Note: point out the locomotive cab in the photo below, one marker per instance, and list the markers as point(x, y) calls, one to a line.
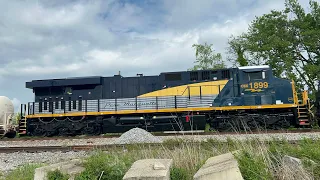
point(255, 86)
point(254, 78)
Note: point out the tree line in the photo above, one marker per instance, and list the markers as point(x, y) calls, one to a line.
point(287, 40)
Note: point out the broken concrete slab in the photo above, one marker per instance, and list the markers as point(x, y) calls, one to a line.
point(292, 168)
point(292, 160)
point(155, 169)
point(72, 168)
point(220, 167)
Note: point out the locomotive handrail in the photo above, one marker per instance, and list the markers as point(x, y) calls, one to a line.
point(51, 105)
point(33, 108)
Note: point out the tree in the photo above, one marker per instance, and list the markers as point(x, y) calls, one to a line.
point(287, 40)
point(206, 58)
point(237, 52)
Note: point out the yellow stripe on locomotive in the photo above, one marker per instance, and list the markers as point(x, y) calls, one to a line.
point(195, 89)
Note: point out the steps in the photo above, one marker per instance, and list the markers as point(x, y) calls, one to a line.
point(23, 126)
point(303, 109)
point(303, 115)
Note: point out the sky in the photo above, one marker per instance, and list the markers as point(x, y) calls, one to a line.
point(41, 39)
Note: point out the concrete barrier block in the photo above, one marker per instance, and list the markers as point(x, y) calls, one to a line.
point(155, 169)
point(222, 167)
point(72, 168)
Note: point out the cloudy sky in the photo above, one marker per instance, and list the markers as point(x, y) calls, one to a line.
point(54, 39)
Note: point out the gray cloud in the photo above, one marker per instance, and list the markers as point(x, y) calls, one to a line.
point(54, 39)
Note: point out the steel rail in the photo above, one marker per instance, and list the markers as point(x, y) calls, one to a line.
point(35, 149)
point(28, 139)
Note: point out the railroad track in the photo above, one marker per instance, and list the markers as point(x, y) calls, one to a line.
point(33, 149)
point(88, 144)
point(159, 134)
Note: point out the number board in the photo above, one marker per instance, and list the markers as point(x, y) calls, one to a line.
point(255, 86)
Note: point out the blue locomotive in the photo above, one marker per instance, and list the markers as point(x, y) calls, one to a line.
point(243, 98)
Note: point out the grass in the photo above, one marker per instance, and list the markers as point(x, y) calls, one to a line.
point(25, 172)
point(257, 160)
point(57, 175)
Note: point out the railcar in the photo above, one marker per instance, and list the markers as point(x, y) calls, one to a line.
point(7, 128)
point(245, 98)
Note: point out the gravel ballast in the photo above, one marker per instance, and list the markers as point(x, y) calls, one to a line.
point(137, 135)
point(11, 161)
point(243, 137)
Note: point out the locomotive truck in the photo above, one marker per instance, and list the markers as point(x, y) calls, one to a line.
point(243, 98)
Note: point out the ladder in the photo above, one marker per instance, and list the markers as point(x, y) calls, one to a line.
point(22, 126)
point(304, 110)
point(23, 120)
point(303, 115)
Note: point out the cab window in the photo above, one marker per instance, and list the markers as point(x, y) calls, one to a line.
point(257, 75)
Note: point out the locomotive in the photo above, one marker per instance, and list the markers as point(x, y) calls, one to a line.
point(243, 98)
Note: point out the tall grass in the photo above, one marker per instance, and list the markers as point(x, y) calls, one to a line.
point(256, 159)
point(114, 163)
point(25, 172)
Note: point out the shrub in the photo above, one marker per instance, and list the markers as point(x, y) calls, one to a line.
point(179, 174)
point(108, 166)
point(57, 175)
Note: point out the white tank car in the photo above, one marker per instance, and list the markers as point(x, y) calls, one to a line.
point(6, 115)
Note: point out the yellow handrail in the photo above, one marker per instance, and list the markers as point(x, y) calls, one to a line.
point(295, 94)
point(305, 97)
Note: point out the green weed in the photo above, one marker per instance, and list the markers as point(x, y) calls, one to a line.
point(25, 172)
point(253, 167)
point(57, 175)
point(108, 166)
point(179, 174)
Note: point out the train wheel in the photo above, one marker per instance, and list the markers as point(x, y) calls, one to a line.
point(39, 132)
point(10, 134)
point(63, 131)
point(92, 129)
